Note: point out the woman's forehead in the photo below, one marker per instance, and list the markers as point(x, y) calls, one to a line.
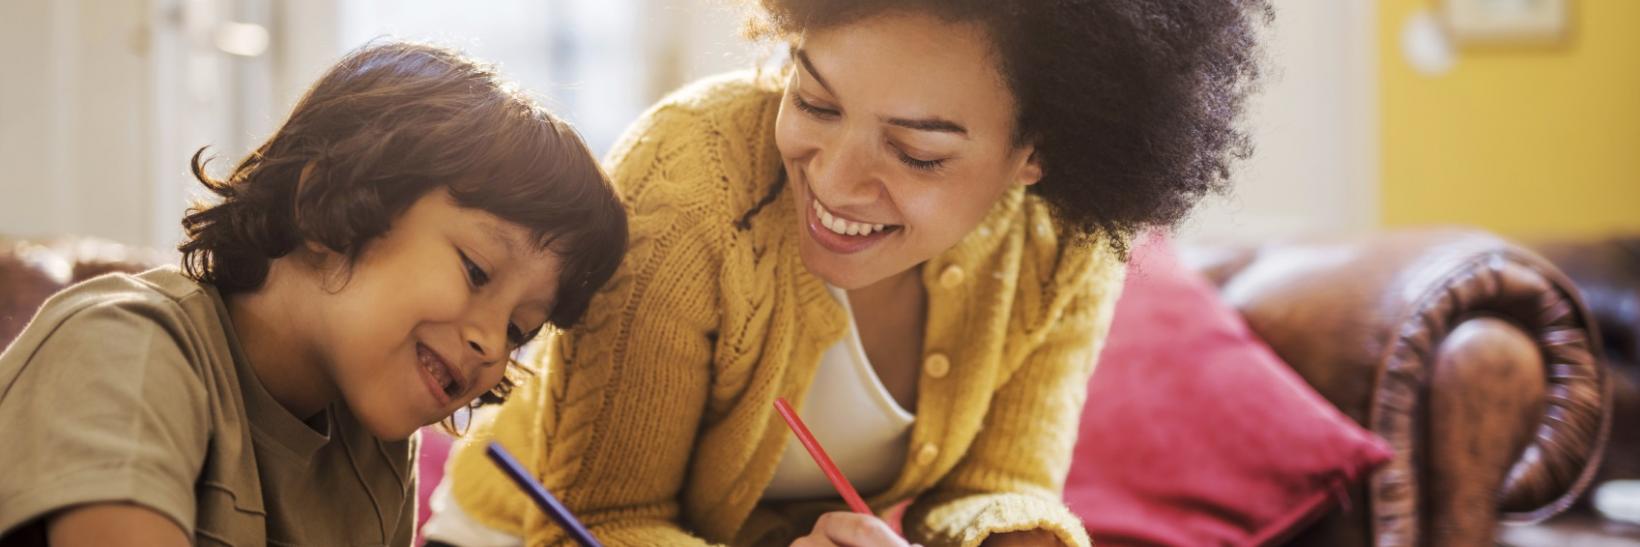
point(909, 66)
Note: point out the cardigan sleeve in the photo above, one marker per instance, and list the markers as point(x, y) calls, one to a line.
point(609, 419)
point(1013, 475)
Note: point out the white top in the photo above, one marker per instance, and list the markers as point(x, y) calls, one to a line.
point(451, 525)
point(856, 420)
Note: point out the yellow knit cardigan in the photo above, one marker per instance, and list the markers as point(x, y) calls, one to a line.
point(654, 421)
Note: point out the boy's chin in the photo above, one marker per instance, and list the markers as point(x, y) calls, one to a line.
point(390, 430)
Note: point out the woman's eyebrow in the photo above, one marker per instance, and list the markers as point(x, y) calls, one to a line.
point(936, 124)
point(803, 57)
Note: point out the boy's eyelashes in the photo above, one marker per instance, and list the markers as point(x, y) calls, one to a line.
point(517, 337)
point(477, 277)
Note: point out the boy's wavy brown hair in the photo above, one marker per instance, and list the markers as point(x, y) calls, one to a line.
point(385, 126)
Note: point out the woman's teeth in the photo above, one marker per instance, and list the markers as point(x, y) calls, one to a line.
point(841, 226)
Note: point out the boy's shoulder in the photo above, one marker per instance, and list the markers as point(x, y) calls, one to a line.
point(128, 309)
point(129, 378)
point(161, 295)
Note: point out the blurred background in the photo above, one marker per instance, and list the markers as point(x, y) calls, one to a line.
point(1518, 116)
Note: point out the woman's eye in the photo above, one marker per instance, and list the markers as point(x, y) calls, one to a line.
point(918, 164)
point(811, 108)
point(475, 275)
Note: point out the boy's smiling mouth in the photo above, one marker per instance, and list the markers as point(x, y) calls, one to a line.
point(443, 380)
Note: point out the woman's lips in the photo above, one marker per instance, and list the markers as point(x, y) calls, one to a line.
point(841, 235)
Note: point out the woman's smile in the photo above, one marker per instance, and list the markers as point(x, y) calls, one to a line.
point(842, 235)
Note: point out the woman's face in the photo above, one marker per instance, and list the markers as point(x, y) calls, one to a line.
point(897, 137)
point(431, 313)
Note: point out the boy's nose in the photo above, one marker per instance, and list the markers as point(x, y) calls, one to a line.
point(487, 343)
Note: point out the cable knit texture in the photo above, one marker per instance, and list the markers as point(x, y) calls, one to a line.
point(654, 421)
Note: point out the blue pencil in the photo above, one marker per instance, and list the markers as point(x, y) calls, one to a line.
point(539, 493)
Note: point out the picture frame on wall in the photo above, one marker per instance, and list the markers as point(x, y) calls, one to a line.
point(1508, 22)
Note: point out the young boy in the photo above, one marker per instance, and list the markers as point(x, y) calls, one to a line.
point(368, 270)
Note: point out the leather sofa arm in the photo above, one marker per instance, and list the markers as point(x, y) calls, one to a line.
point(31, 271)
point(1475, 358)
point(1607, 272)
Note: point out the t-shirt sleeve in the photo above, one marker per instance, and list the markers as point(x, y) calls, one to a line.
point(101, 404)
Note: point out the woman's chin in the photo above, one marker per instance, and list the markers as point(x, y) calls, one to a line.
point(830, 268)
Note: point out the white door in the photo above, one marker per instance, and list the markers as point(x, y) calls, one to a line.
point(1315, 165)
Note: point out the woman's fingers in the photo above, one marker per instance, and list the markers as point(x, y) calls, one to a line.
point(856, 530)
point(813, 541)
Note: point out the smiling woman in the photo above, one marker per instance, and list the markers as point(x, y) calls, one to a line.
point(915, 232)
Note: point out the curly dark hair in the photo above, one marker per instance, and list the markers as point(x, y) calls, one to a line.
point(388, 124)
point(1133, 105)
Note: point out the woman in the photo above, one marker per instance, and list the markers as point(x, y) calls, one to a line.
point(915, 233)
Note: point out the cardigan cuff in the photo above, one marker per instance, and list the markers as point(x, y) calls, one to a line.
point(968, 520)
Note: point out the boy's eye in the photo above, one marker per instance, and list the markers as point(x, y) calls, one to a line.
point(475, 275)
point(517, 337)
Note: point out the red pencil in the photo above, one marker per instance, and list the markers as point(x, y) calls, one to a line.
point(820, 457)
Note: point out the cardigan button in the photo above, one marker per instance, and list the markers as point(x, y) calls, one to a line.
point(927, 453)
point(951, 277)
point(937, 365)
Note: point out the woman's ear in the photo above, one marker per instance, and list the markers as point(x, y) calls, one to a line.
point(1030, 169)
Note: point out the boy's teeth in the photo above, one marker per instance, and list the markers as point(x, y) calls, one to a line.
point(440, 374)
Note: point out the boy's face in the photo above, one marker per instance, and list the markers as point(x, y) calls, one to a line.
point(431, 314)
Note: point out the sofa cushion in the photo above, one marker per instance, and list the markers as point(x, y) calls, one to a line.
point(1195, 433)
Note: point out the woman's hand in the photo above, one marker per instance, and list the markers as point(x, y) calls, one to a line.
point(841, 528)
point(1032, 538)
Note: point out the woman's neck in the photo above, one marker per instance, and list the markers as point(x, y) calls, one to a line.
point(890, 315)
point(900, 287)
point(269, 322)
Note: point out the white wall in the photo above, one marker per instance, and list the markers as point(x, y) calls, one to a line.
point(102, 102)
point(1314, 127)
point(72, 118)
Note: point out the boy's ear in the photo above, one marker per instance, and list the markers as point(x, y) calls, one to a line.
point(306, 176)
point(318, 251)
point(302, 180)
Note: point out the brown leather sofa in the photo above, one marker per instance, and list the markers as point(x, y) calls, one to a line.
point(1474, 357)
point(1607, 272)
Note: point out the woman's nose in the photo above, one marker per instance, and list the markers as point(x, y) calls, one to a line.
point(845, 173)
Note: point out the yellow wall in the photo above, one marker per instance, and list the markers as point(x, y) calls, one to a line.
point(1534, 142)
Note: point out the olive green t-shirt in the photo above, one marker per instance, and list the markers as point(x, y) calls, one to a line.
point(134, 389)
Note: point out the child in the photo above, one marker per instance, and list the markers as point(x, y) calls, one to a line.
point(369, 270)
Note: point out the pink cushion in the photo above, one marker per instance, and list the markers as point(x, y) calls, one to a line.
point(435, 449)
point(1195, 433)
